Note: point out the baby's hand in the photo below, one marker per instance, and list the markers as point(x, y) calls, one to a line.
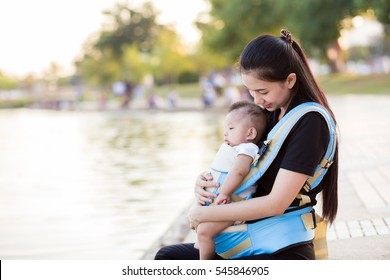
point(222, 199)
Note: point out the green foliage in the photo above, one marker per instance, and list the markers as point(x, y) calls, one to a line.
point(99, 68)
point(129, 27)
point(135, 64)
point(7, 82)
point(318, 22)
point(235, 22)
point(119, 52)
point(134, 45)
point(168, 57)
point(188, 77)
point(205, 59)
point(381, 9)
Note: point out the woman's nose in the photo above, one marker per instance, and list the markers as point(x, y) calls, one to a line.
point(258, 100)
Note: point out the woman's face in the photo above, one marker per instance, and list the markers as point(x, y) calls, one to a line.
point(270, 95)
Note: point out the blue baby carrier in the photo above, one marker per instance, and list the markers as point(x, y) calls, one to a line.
point(297, 224)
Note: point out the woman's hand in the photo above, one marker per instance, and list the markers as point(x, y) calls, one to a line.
point(203, 181)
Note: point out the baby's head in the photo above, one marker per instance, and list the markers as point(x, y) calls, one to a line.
point(246, 122)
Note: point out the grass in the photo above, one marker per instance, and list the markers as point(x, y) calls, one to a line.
point(331, 84)
point(355, 84)
point(185, 90)
point(17, 103)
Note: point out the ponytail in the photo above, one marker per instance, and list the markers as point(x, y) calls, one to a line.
point(330, 180)
point(273, 58)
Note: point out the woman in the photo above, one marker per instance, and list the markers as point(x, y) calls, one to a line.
point(276, 72)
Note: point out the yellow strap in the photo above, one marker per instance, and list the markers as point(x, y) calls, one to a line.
point(303, 199)
point(307, 220)
point(320, 243)
point(324, 164)
point(238, 228)
point(236, 249)
point(306, 187)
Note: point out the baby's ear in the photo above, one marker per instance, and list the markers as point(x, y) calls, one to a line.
point(252, 134)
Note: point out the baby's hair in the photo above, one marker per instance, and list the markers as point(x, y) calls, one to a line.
point(256, 114)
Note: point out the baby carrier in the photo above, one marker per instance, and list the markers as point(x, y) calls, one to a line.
point(298, 223)
point(220, 167)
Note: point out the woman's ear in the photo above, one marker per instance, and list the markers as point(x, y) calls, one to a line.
point(291, 80)
point(252, 134)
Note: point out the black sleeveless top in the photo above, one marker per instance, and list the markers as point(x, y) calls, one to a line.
point(302, 150)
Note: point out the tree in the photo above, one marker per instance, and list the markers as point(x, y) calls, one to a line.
point(130, 33)
point(169, 57)
point(232, 23)
point(134, 45)
point(381, 9)
point(7, 82)
point(315, 23)
point(129, 27)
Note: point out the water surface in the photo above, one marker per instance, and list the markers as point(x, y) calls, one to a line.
point(97, 185)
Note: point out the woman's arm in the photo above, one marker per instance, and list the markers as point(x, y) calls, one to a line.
point(287, 185)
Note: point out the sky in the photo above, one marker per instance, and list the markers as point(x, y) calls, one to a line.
point(35, 33)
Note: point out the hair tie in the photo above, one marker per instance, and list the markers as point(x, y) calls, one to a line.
point(286, 35)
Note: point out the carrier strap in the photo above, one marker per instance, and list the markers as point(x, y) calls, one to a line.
point(272, 146)
point(279, 133)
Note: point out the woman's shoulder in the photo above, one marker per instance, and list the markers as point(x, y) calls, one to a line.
point(311, 127)
point(313, 119)
point(306, 144)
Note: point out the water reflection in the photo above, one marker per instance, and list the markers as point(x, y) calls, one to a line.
point(92, 185)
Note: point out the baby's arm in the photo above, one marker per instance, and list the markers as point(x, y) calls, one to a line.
point(234, 178)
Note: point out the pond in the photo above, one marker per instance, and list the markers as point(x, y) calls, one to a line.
point(97, 185)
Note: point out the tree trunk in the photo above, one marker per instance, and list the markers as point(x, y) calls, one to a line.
point(335, 58)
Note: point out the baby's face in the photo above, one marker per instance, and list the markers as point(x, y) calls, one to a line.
point(236, 128)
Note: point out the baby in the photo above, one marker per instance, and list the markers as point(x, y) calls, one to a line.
point(245, 126)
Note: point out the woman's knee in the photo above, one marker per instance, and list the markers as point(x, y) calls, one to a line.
point(180, 251)
point(163, 253)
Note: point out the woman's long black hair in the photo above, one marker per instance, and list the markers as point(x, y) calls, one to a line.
point(273, 58)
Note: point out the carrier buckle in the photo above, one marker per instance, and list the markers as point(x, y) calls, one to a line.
point(313, 215)
point(326, 163)
point(309, 220)
point(264, 147)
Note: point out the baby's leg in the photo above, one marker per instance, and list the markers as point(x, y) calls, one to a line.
point(205, 233)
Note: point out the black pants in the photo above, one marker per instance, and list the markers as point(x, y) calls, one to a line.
point(187, 251)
